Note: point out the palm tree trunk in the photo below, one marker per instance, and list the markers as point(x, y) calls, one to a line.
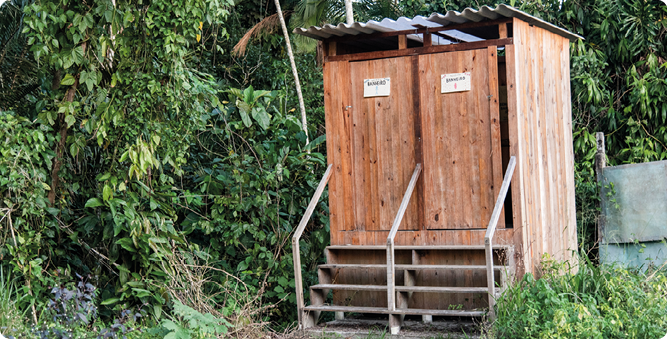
point(304, 124)
point(349, 14)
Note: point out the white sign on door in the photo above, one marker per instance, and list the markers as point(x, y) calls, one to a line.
point(377, 87)
point(455, 82)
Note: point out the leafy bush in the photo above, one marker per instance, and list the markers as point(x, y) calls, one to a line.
point(193, 324)
point(251, 179)
point(73, 314)
point(585, 301)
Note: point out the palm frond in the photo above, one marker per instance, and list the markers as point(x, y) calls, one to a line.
point(268, 25)
point(18, 72)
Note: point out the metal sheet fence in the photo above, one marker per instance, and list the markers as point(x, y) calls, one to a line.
point(634, 214)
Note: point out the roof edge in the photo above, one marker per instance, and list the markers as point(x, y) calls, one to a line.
point(485, 13)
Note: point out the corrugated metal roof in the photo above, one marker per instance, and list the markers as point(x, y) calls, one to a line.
point(435, 20)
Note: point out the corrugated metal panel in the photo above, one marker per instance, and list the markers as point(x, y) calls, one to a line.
point(435, 20)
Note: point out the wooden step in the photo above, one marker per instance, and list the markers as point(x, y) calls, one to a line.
point(417, 248)
point(384, 310)
point(383, 288)
point(443, 289)
point(415, 267)
point(380, 288)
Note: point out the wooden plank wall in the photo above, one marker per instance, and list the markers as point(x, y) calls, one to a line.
point(543, 138)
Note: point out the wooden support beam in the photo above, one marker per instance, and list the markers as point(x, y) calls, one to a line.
point(418, 31)
point(420, 50)
point(502, 30)
point(402, 42)
point(427, 40)
point(331, 48)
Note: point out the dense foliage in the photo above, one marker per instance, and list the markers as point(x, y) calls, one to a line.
point(137, 149)
point(585, 302)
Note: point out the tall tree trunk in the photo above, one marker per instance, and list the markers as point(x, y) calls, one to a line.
point(60, 149)
point(349, 13)
point(304, 124)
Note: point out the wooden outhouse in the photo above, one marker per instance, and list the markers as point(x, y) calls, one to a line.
point(429, 122)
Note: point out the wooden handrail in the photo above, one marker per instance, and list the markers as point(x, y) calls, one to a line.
point(491, 230)
point(296, 255)
point(391, 291)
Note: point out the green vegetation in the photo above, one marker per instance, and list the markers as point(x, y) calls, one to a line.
point(585, 301)
point(11, 318)
point(141, 153)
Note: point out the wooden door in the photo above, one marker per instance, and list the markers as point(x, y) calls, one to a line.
point(383, 139)
point(371, 142)
point(461, 140)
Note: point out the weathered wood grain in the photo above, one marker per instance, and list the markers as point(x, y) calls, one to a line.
point(457, 141)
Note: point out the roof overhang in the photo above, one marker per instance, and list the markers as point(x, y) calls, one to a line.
point(435, 21)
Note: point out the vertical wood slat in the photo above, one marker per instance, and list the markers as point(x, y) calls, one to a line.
point(559, 140)
point(419, 157)
point(570, 213)
point(551, 150)
point(476, 130)
point(515, 126)
point(538, 78)
point(494, 123)
point(346, 144)
point(521, 67)
point(333, 74)
point(360, 206)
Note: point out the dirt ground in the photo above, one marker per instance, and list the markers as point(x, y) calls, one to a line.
point(377, 328)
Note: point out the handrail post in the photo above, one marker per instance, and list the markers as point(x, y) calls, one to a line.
point(296, 255)
point(490, 231)
point(391, 274)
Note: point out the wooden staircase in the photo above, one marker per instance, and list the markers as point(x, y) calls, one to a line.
point(329, 272)
point(402, 261)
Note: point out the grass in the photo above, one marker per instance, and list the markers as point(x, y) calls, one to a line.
point(11, 319)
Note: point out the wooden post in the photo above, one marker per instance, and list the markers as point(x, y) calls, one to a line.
point(488, 251)
point(391, 276)
point(600, 164)
point(331, 48)
point(402, 41)
point(427, 40)
point(502, 30)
